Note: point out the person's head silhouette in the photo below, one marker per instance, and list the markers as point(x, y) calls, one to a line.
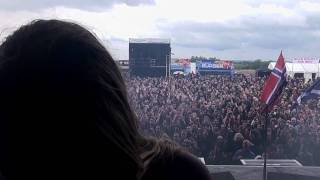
point(63, 106)
point(64, 112)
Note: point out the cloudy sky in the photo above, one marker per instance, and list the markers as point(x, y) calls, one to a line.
point(227, 29)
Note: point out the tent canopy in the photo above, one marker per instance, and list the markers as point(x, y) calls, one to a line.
point(299, 67)
point(306, 68)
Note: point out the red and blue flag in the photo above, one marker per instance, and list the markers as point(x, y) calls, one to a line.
point(275, 83)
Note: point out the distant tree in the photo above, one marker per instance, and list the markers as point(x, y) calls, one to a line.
point(212, 58)
point(200, 58)
point(256, 64)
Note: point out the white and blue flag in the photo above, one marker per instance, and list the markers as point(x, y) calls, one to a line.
point(310, 93)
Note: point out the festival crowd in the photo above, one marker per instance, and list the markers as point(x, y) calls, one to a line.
point(219, 117)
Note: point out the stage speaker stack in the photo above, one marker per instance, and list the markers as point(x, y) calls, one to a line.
point(149, 57)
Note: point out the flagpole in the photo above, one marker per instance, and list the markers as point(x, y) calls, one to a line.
point(265, 145)
point(270, 94)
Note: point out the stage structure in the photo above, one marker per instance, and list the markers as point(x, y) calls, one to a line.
point(149, 57)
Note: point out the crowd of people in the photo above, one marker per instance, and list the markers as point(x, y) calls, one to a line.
point(219, 117)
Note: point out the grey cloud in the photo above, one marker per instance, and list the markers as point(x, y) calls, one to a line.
point(79, 4)
point(314, 21)
point(259, 32)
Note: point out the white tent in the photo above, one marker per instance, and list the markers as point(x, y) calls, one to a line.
point(307, 69)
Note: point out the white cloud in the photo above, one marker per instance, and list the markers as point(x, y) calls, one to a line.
point(310, 6)
point(196, 27)
point(11, 20)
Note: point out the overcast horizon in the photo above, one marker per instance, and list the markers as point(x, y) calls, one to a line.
point(229, 29)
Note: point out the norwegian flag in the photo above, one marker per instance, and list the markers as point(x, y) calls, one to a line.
point(275, 83)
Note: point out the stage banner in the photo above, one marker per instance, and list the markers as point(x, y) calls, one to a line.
point(306, 60)
point(209, 65)
point(177, 67)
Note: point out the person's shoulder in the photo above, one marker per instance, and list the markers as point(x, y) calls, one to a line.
point(181, 165)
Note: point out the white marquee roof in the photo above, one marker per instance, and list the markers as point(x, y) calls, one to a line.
point(299, 67)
